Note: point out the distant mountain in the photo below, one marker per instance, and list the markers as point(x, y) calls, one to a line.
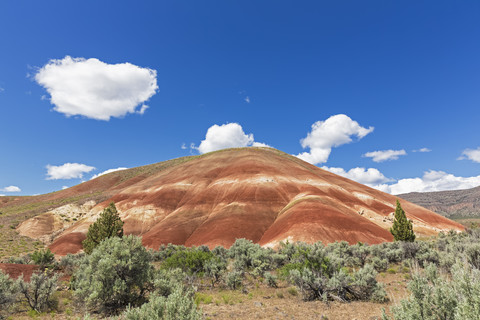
point(261, 194)
point(453, 203)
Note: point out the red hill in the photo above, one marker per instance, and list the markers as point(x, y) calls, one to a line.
point(260, 194)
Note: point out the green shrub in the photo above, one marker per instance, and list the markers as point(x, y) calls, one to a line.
point(340, 286)
point(191, 261)
point(214, 269)
point(170, 300)
point(164, 281)
point(178, 305)
point(70, 262)
point(8, 293)
point(25, 259)
point(38, 291)
point(473, 255)
point(43, 257)
point(114, 275)
point(107, 225)
point(439, 296)
point(380, 265)
point(271, 280)
point(250, 256)
point(402, 228)
point(234, 279)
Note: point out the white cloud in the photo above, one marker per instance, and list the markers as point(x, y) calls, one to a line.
point(11, 189)
point(422, 150)
point(2, 89)
point(371, 176)
point(433, 181)
point(107, 171)
point(67, 171)
point(247, 99)
point(384, 155)
point(184, 146)
point(65, 187)
point(228, 135)
point(143, 108)
point(471, 154)
point(95, 89)
point(325, 135)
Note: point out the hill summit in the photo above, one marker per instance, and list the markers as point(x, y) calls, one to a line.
point(260, 194)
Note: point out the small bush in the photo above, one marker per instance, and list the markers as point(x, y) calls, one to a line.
point(8, 293)
point(271, 280)
point(70, 262)
point(26, 259)
point(380, 265)
point(191, 261)
point(234, 279)
point(114, 275)
point(292, 291)
point(107, 225)
point(178, 305)
point(38, 291)
point(43, 258)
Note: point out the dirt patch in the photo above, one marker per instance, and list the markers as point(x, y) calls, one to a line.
point(17, 270)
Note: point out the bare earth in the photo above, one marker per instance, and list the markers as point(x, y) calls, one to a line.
point(261, 194)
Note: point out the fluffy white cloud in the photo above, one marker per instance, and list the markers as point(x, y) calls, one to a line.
point(95, 89)
point(65, 187)
point(433, 181)
point(11, 189)
point(384, 155)
point(430, 181)
point(67, 171)
point(325, 135)
point(107, 171)
point(471, 154)
point(371, 176)
point(422, 150)
point(230, 135)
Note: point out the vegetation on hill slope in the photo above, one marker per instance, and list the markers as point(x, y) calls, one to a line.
point(174, 280)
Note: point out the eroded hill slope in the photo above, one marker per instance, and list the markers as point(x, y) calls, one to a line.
point(261, 194)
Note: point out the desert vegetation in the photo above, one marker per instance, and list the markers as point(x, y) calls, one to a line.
point(121, 279)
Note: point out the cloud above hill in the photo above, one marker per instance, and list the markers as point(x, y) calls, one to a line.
point(333, 132)
point(95, 89)
point(432, 181)
point(370, 177)
point(67, 171)
point(108, 171)
point(230, 135)
point(471, 154)
point(11, 189)
point(384, 155)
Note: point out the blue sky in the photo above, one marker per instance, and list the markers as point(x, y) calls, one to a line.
point(92, 86)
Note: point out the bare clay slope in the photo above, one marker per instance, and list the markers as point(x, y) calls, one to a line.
point(260, 194)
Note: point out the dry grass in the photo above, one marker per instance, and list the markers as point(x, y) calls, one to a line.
point(258, 301)
point(263, 302)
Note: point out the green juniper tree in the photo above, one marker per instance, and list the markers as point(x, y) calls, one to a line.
point(402, 229)
point(107, 225)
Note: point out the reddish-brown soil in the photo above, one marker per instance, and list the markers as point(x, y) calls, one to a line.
point(16, 270)
point(260, 194)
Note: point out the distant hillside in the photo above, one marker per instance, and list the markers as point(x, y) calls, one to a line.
point(261, 194)
point(453, 204)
